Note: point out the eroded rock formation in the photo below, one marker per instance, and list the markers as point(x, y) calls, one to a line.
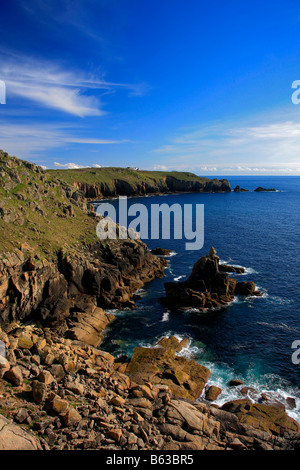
point(207, 287)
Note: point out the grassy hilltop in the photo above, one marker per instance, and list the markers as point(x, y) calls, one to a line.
point(108, 174)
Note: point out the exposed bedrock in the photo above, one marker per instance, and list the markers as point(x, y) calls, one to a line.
point(207, 287)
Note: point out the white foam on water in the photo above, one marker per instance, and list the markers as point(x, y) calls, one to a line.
point(179, 277)
point(277, 300)
point(282, 326)
point(172, 253)
point(248, 270)
point(193, 310)
point(190, 351)
point(142, 292)
point(270, 385)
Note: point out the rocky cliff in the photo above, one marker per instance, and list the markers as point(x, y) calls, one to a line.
point(53, 268)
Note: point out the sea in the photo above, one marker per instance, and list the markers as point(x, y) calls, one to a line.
point(251, 339)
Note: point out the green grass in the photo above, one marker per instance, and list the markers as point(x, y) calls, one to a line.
point(48, 231)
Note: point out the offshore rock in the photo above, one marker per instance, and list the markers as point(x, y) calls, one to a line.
point(260, 189)
point(238, 189)
point(226, 268)
point(161, 251)
point(71, 292)
point(212, 393)
point(207, 287)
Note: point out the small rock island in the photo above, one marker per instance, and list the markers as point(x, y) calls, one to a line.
point(209, 286)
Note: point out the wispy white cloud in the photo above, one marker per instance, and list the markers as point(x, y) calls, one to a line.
point(69, 166)
point(53, 87)
point(271, 147)
point(82, 140)
point(75, 166)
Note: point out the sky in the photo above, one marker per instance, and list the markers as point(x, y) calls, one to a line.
point(211, 87)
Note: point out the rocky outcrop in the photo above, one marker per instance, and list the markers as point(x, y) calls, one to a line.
point(112, 272)
point(238, 189)
point(161, 251)
point(13, 437)
point(214, 185)
point(226, 268)
point(75, 397)
point(27, 284)
point(260, 189)
point(207, 287)
point(89, 324)
point(57, 390)
point(55, 270)
point(160, 365)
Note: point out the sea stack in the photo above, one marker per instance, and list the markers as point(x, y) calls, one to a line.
point(207, 287)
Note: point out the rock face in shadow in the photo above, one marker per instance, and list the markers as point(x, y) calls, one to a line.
point(207, 287)
point(75, 287)
point(238, 189)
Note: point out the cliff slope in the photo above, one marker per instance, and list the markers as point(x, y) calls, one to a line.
point(52, 265)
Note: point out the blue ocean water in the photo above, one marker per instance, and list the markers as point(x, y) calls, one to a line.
point(250, 339)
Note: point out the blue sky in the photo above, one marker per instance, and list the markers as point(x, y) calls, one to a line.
point(185, 85)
